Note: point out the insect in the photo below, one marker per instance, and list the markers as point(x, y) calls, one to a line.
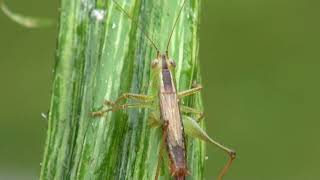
point(167, 112)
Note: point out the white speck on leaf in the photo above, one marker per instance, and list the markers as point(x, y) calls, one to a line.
point(114, 26)
point(98, 14)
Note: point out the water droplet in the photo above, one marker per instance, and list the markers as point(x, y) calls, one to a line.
point(206, 158)
point(114, 26)
point(98, 14)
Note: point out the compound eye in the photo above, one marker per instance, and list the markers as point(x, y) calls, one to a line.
point(172, 63)
point(154, 63)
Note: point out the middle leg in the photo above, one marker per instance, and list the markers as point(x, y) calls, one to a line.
point(138, 97)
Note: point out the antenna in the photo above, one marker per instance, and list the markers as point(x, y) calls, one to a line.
point(135, 22)
point(174, 26)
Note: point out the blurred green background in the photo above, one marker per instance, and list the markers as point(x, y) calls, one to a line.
point(260, 69)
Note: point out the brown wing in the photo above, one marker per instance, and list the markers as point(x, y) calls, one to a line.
point(170, 114)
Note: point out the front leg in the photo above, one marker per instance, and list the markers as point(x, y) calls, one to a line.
point(189, 92)
point(144, 101)
point(121, 107)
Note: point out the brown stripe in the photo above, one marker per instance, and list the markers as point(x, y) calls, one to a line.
point(166, 78)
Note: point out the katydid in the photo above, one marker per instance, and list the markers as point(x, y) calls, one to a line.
point(167, 112)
